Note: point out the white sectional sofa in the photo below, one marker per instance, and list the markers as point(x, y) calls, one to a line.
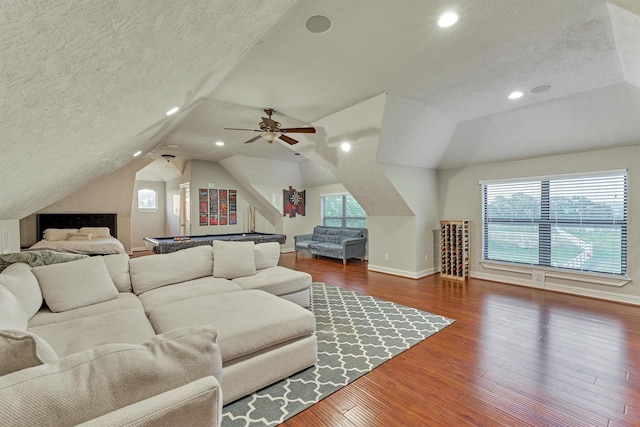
point(110, 340)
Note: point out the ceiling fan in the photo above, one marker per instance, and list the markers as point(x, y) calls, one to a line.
point(270, 130)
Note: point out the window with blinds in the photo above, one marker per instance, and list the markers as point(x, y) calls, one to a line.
point(342, 210)
point(572, 222)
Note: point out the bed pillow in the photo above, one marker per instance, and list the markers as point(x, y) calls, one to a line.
point(22, 349)
point(233, 259)
point(97, 232)
point(79, 236)
point(267, 255)
point(19, 279)
point(75, 284)
point(12, 314)
point(55, 234)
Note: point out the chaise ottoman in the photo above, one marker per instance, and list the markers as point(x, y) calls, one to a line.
point(254, 354)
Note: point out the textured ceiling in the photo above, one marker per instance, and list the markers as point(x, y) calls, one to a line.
point(84, 85)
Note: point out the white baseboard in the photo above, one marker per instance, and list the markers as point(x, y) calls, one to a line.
point(567, 289)
point(402, 273)
point(139, 249)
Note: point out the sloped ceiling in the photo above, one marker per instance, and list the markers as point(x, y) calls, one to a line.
point(84, 85)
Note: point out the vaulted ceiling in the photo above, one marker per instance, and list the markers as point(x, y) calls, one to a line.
point(85, 85)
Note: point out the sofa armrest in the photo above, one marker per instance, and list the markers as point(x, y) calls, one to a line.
point(302, 237)
point(198, 403)
point(354, 247)
point(92, 383)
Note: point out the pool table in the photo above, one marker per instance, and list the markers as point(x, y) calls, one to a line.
point(165, 245)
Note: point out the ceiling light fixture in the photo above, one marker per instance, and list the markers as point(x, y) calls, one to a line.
point(172, 111)
point(137, 153)
point(448, 19)
point(219, 143)
point(346, 147)
point(270, 136)
point(540, 88)
point(318, 24)
point(515, 94)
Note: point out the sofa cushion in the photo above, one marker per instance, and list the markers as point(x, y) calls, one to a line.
point(112, 376)
point(75, 335)
point(12, 314)
point(74, 284)
point(186, 290)
point(233, 259)
point(150, 272)
point(19, 279)
point(267, 255)
point(326, 247)
point(118, 267)
point(276, 280)
point(351, 234)
point(21, 349)
point(233, 315)
point(124, 301)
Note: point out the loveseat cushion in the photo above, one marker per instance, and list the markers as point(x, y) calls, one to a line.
point(112, 377)
point(233, 259)
point(19, 279)
point(330, 248)
point(76, 335)
point(118, 267)
point(74, 284)
point(151, 272)
point(21, 350)
point(234, 315)
point(276, 280)
point(12, 315)
point(186, 290)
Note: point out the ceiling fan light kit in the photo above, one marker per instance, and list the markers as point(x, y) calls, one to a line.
point(271, 130)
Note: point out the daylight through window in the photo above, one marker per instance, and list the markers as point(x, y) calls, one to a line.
point(147, 200)
point(565, 222)
point(342, 210)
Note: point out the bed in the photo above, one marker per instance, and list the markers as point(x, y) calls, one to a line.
point(91, 234)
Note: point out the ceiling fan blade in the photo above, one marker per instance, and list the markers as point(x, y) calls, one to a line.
point(298, 130)
point(288, 140)
point(255, 138)
point(250, 130)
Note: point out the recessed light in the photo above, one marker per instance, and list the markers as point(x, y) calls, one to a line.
point(318, 24)
point(137, 153)
point(515, 94)
point(540, 88)
point(346, 147)
point(448, 19)
point(172, 111)
point(172, 146)
point(219, 143)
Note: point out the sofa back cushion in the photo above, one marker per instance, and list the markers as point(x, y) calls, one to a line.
point(12, 314)
point(118, 266)
point(75, 284)
point(21, 349)
point(19, 279)
point(267, 255)
point(327, 235)
point(154, 271)
point(233, 259)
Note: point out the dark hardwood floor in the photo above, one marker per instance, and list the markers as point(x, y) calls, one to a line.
point(514, 357)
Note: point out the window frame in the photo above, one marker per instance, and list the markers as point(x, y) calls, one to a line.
point(545, 222)
point(344, 218)
point(145, 209)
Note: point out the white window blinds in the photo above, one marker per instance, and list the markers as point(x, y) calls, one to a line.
point(574, 222)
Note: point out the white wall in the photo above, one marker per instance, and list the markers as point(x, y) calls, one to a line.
point(459, 197)
point(148, 223)
point(9, 236)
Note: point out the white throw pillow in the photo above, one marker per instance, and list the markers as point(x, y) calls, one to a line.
point(21, 350)
point(97, 232)
point(12, 314)
point(78, 236)
point(55, 234)
point(74, 284)
point(19, 279)
point(267, 255)
point(233, 259)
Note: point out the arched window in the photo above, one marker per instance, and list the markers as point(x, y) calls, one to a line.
point(147, 200)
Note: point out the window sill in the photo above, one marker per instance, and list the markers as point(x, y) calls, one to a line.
point(594, 278)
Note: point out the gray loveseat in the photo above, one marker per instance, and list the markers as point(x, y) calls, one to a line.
point(335, 242)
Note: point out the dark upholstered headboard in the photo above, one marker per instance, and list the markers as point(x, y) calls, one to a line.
point(58, 220)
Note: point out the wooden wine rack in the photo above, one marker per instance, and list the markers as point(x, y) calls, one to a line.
point(454, 249)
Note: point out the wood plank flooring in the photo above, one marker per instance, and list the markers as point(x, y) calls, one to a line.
point(514, 357)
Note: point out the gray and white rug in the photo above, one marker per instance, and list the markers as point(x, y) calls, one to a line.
point(356, 333)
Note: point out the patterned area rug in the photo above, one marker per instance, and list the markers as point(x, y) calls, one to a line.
point(356, 333)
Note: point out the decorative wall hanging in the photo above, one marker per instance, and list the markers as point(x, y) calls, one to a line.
point(218, 207)
point(293, 202)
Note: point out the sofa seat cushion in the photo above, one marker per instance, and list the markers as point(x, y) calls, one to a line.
point(247, 322)
point(151, 272)
point(326, 247)
point(186, 290)
point(75, 335)
point(276, 280)
point(125, 300)
point(304, 244)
